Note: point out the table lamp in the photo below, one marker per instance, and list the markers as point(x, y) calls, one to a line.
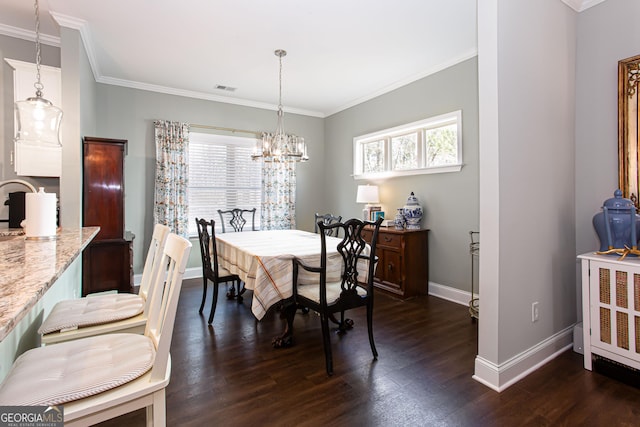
point(367, 194)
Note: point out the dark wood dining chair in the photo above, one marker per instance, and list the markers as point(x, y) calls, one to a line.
point(353, 289)
point(211, 271)
point(327, 219)
point(235, 218)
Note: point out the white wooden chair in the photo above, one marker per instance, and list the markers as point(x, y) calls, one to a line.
point(106, 313)
point(105, 376)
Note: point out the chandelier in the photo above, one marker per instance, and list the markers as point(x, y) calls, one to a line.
point(38, 119)
point(280, 147)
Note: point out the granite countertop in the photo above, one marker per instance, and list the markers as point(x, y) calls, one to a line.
point(28, 268)
point(11, 232)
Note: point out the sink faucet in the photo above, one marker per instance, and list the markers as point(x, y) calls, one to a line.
point(18, 181)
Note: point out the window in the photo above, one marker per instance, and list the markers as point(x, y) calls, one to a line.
point(222, 176)
point(432, 145)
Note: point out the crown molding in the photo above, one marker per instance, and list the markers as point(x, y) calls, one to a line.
point(203, 95)
point(20, 33)
point(581, 5)
point(83, 27)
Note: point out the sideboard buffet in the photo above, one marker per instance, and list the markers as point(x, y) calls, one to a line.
point(403, 261)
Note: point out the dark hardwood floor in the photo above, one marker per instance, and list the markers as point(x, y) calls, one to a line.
point(229, 375)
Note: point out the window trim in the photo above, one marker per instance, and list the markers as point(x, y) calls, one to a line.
point(454, 117)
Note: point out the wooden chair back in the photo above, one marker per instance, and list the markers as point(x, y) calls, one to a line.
point(356, 260)
point(235, 218)
point(327, 219)
point(207, 238)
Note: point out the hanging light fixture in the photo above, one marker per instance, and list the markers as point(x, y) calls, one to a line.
point(38, 119)
point(280, 147)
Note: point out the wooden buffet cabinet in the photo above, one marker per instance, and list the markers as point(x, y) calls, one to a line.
point(403, 261)
point(107, 263)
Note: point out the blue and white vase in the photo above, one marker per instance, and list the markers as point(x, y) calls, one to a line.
point(399, 220)
point(412, 213)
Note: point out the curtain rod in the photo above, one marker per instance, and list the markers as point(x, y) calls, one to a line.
point(232, 130)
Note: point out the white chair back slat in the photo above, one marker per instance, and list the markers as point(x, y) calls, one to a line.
point(164, 300)
point(151, 264)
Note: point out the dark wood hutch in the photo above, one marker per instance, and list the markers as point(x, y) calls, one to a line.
point(107, 263)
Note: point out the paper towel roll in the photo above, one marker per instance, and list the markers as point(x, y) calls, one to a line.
point(40, 215)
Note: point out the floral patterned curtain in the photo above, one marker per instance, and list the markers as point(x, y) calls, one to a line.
point(278, 195)
point(172, 175)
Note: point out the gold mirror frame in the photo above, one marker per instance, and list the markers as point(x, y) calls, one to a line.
point(628, 136)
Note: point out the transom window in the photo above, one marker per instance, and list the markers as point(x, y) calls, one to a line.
point(431, 145)
point(222, 176)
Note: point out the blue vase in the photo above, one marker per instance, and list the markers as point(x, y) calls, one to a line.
point(618, 224)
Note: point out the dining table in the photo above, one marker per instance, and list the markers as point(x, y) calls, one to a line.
point(263, 261)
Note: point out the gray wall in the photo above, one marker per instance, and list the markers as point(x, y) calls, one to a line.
point(450, 200)
point(129, 114)
point(607, 33)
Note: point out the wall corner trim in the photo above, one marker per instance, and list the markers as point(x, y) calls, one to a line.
point(501, 376)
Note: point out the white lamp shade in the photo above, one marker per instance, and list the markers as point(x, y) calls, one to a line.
point(367, 194)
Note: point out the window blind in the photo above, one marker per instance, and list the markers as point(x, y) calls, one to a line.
point(222, 176)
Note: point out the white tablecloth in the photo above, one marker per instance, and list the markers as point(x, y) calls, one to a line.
point(262, 259)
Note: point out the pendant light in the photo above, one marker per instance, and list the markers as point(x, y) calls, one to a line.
point(280, 147)
point(38, 120)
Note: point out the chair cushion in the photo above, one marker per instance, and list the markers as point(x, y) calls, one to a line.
point(82, 312)
point(333, 292)
point(73, 370)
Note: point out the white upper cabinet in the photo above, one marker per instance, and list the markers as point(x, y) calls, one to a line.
point(30, 160)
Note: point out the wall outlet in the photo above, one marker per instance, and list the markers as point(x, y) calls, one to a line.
point(535, 312)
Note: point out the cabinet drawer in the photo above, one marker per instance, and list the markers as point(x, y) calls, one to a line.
point(388, 240)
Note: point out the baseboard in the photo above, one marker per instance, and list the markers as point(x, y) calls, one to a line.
point(450, 294)
point(189, 273)
point(500, 377)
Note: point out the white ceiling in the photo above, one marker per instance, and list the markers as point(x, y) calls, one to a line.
point(340, 52)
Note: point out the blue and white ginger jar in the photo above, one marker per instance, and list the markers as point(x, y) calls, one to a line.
point(412, 213)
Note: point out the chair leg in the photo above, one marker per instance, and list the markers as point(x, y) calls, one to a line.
point(231, 292)
point(326, 342)
point(214, 303)
point(370, 330)
point(343, 325)
point(240, 290)
point(157, 412)
point(204, 293)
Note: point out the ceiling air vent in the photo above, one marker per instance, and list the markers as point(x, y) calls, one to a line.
point(227, 88)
